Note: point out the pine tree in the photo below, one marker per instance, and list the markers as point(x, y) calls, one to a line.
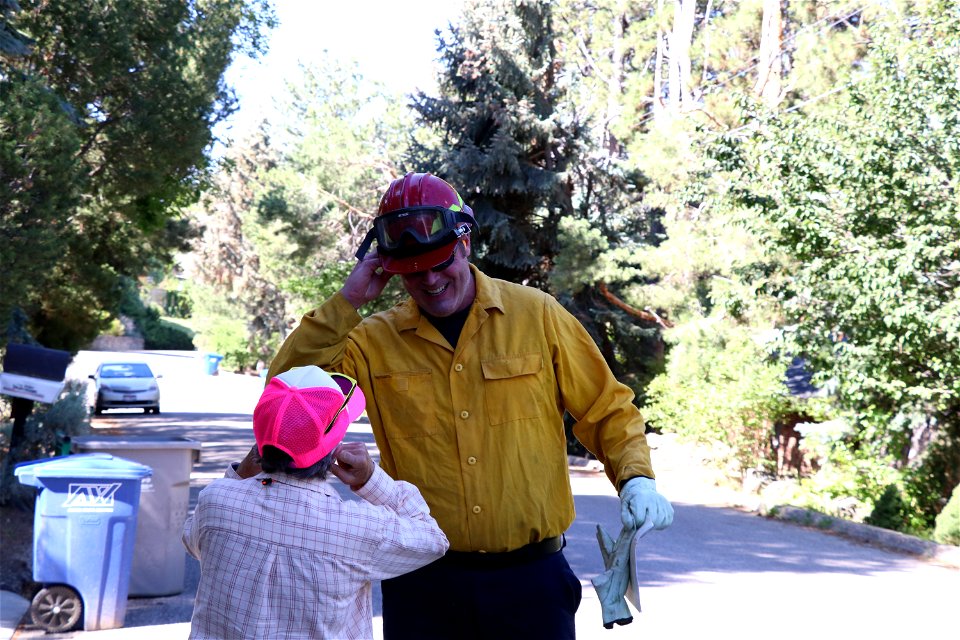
point(503, 136)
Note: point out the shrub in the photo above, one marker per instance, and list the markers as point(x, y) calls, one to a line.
point(947, 529)
point(721, 389)
point(46, 432)
point(157, 334)
point(888, 512)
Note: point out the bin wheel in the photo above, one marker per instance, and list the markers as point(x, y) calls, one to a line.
point(56, 609)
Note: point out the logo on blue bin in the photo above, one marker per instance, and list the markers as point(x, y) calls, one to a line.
point(91, 497)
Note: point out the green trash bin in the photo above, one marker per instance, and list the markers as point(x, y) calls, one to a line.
point(159, 558)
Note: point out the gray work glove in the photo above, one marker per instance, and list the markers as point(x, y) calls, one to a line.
point(611, 585)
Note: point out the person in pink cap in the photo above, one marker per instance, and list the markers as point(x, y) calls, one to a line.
point(281, 554)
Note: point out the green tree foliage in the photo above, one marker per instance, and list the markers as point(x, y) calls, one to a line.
point(41, 188)
point(46, 432)
point(720, 389)
point(105, 124)
point(12, 41)
point(889, 510)
point(947, 529)
point(156, 333)
point(503, 134)
point(339, 140)
point(236, 310)
point(863, 199)
point(288, 209)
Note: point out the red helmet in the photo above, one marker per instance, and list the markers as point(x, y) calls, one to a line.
point(418, 223)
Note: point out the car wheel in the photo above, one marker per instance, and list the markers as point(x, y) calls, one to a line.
point(98, 408)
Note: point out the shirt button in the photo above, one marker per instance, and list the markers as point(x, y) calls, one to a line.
point(458, 367)
point(476, 508)
point(471, 460)
point(464, 414)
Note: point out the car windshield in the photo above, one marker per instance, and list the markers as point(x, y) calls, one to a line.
point(126, 370)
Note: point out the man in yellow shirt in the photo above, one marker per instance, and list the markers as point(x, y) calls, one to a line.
point(467, 382)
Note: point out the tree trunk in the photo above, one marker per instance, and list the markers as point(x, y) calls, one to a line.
point(681, 97)
point(615, 84)
point(658, 106)
point(770, 67)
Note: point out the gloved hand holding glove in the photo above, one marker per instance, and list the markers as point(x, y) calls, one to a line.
point(611, 585)
point(641, 508)
point(640, 502)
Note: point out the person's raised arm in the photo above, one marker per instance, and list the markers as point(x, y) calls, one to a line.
point(321, 337)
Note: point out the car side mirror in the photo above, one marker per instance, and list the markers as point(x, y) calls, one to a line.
point(92, 377)
point(159, 375)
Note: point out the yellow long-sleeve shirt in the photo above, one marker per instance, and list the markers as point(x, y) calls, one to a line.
point(479, 428)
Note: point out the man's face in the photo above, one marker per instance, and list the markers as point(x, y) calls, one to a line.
point(445, 292)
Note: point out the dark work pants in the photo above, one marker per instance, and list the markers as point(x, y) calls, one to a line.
point(446, 601)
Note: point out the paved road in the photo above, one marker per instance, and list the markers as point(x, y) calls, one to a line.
point(717, 572)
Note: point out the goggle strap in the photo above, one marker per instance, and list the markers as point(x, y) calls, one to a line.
point(365, 245)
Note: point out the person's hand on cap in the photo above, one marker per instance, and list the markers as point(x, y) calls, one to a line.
point(354, 466)
point(366, 281)
point(639, 502)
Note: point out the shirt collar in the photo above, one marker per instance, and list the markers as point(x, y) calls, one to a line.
point(487, 297)
point(320, 485)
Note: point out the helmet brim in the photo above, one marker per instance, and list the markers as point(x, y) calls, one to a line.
point(419, 262)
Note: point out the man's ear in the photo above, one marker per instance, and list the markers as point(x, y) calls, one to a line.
point(466, 244)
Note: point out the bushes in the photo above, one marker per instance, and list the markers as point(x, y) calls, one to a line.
point(45, 432)
point(947, 529)
point(889, 510)
point(720, 389)
point(157, 334)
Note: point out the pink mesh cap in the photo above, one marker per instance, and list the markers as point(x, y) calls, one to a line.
point(305, 413)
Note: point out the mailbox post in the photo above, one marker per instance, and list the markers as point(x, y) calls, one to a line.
point(30, 374)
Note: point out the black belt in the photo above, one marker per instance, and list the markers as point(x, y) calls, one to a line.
point(487, 560)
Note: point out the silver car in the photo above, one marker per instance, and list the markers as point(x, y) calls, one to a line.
point(122, 385)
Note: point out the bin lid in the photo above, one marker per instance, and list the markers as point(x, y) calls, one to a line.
point(114, 443)
point(84, 465)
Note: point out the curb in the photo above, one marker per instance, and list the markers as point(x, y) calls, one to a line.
point(12, 609)
point(943, 554)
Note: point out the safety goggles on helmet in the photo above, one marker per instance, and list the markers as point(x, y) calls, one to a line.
point(414, 230)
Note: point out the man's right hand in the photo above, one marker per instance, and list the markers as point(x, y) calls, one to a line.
point(354, 466)
point(366, 281)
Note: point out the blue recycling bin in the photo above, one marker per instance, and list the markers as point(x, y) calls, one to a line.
point(84, 528)
point(212, 363)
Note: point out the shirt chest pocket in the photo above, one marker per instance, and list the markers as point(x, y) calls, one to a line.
point(406, 400)
point(512, 387)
